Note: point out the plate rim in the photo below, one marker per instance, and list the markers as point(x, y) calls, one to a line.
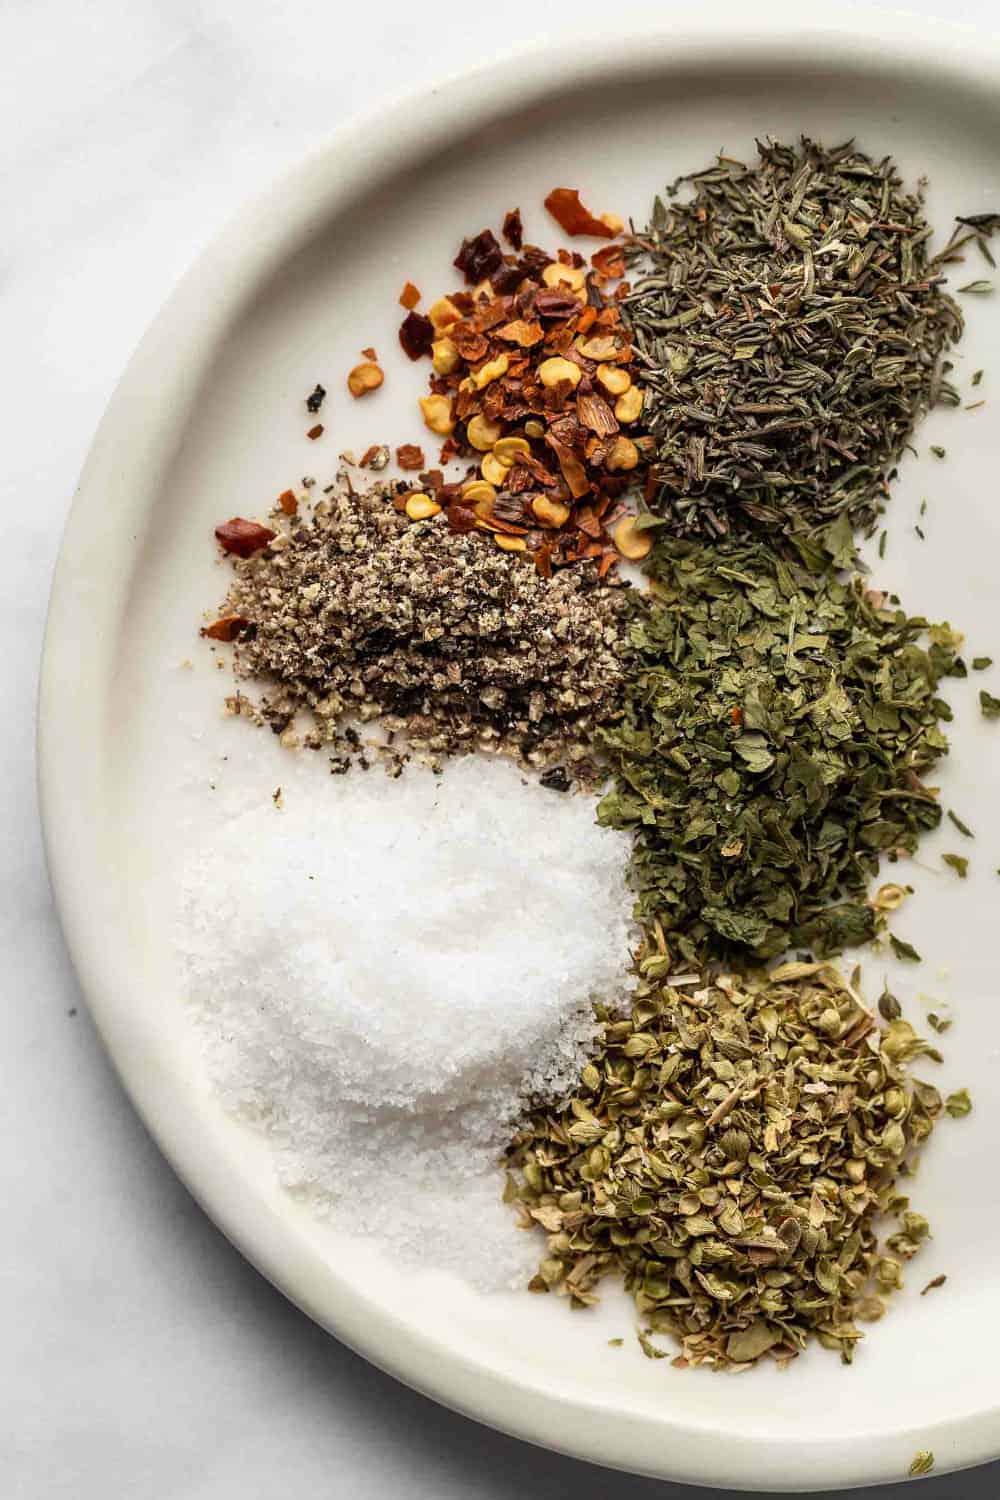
point(106, 524)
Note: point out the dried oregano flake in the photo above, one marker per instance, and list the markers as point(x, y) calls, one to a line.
point(728, 1151)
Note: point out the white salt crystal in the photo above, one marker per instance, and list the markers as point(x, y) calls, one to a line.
point(383, 969)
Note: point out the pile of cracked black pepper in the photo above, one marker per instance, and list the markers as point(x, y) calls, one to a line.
point(352, 613)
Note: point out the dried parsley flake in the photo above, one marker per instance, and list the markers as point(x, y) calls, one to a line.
point(777, 725)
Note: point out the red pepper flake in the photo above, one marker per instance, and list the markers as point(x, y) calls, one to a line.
point(243, 537)
point(409, 456)
point(610, 261)
point(409, 296)
point(569, 213)
point(553, 304)
point(736, 714)
point(315, 432)
point(416, 334)
point(227, 629)
point(369, 354)
point(288, 503)
point(513, 229)
point(479, 257)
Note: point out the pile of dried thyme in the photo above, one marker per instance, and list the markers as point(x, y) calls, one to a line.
point(728, 1151)
point(348, 612)
point(778, 723)
point(791, 324)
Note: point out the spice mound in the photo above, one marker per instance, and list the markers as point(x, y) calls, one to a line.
point(535, 380)
point(778, 722)
point(353, 612)
point(728, 1151)
point(385, 971)
point(790, 326)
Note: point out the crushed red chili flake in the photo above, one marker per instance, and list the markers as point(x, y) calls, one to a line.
point(288, 503)
point(479, 257)
point(315, 432)
point(416, 334)
point(316, 398)
point(513, 229)
point(569, 213)
point(375, 457)
point(609, 261)
point(243, 537)
point(369, 354)
point(409, 296)
point(541, 360)
point(227, 629)
point(409, 456)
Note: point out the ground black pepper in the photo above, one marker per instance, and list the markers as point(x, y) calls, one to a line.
point(355, 613)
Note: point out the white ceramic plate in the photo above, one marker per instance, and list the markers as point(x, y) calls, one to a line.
point(208, 422)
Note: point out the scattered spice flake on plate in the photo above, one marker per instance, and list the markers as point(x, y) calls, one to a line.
point(369, 354)
point(288, 503)
point(409, 297)
point(226, 629)
point(376, 457)
point(479, 257)
point(409, 456)
point(315, 400)
point(416, 334)
point(364, 379)
point(923, 1463)
point(569, 213)
point(513, 229)
point(933, 1285)
point(315, 432)
point(243, 537)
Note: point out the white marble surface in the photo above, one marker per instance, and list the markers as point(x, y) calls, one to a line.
point(140, 1356)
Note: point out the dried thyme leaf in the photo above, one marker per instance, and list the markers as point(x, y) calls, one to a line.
point(791, 323)
point(958, 1104)
point(933, 1284)
point(903, 950)
point(989, 705)
point(958, 863)
point(778, 722)
point(745, 1135)
point(963, 828)
point(980, 663)
point(938, 452)
point(923, 1463)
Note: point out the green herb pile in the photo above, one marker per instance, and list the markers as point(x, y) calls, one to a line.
point(778, 724)
point(728, 1150)
point(790, 325)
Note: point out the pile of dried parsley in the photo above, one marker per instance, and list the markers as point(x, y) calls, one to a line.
point(778, 723)
point(791, 324)
point(349, 612)
point(728, 1151)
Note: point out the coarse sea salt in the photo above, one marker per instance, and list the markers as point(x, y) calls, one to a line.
point(383, 971)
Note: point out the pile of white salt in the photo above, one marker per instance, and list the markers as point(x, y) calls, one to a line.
point(383, 971)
